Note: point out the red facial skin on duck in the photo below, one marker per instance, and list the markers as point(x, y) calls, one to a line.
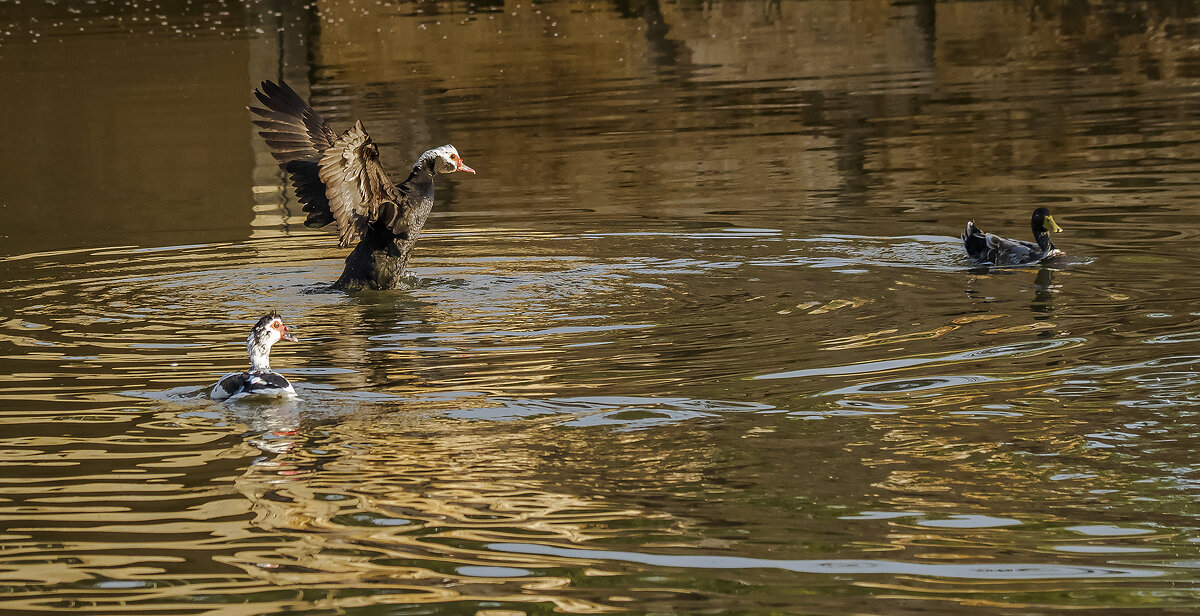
point(283, 332)
point(459, 165)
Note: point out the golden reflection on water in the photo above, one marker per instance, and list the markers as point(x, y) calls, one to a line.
point(698, 335)
point(403, 512)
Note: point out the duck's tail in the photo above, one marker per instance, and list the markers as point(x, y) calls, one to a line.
point(974, 240)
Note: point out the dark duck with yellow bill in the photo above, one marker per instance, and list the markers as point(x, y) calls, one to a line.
point(339, 178)
point(259, 379)
point(991, 249)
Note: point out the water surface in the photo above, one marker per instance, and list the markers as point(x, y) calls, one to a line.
point(699, 337)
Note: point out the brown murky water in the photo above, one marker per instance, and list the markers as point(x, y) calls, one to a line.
point(699, 337)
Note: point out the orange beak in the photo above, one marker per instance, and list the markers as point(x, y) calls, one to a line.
point(459, 166)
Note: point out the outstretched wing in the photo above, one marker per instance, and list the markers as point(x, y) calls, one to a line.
point(297, 136)
point(292, 128)
point(357, 186)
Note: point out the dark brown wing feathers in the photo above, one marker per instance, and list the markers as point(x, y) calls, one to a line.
point(310, 190)
point(336, 177)
point(289, 118)
point(296, 135)
point(356, 184)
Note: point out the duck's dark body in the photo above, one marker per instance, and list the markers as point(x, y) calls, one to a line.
point(249, 383)
point(339, 178)
point(991, 249)
point(379, 258)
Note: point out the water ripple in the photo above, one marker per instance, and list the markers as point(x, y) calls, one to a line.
point(1013, 571)
point(1021, 349)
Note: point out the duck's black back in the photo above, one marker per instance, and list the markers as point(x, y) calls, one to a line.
point(252, 382)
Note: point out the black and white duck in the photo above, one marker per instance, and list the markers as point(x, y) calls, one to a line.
point(259, 379)
point(990, 249)
point(339, 178)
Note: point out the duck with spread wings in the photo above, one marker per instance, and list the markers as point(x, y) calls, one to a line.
point(339, 179)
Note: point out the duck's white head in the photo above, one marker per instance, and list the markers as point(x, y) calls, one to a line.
point(446, 160)
point(269, 330)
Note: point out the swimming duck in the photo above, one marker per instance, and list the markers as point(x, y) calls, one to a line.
point(995, 250)
point(259, 379)
point(339, 178)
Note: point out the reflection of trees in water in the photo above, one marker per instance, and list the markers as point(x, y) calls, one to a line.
point(884, 82)
point(661, 50)
point(854, 96)
point(1077, 17)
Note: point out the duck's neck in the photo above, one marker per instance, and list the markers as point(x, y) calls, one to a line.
point(1043, 241)
point(424, 165)
point(417, 189)
point(260, 355)
point(419, 183)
